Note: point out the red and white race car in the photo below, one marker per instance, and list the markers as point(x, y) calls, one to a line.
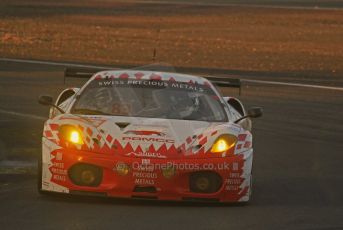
point(147, 134)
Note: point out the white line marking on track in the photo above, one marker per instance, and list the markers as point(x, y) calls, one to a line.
point(52, 63)
point(102, 67)
point(25, 115)
point(293, 84)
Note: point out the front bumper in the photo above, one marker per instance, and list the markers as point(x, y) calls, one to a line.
point(146, 177)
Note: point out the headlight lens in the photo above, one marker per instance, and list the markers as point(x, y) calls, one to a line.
point(75, 137)
point(71, 134)
point(224, 143)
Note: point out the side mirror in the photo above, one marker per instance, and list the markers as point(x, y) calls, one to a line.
point(48, 100)
point(45, 100)
point(253, 112)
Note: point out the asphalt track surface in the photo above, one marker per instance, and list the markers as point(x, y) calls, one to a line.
point(298, 173)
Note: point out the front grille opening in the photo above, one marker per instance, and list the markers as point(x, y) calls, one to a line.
point(85, 175)
point(122, 125)
point(205, 182)
point(149, 189)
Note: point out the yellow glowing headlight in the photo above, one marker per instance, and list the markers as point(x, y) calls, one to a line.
point(75, 137)
point(223, 143)
point(71, 134)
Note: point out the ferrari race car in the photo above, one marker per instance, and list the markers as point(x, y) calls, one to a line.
point(147, 134)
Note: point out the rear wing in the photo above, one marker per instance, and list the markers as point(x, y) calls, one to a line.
point(80, 72)
point(226, 82)
point(89, 72)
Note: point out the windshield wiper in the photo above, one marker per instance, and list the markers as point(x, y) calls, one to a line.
point(89, 112)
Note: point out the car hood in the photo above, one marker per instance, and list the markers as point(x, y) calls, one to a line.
point(143, 137)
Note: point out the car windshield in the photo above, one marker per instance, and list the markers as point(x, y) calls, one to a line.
point(151, 99)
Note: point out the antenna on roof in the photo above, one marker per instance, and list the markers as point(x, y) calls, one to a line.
point(157, 41)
